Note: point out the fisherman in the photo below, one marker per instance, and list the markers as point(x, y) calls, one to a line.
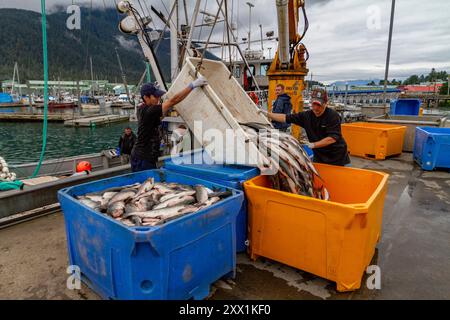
point(146, 150)
point(126, 144)
point(323, 128)
point(281, 105)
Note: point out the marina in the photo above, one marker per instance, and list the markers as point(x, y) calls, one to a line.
point(194, 164)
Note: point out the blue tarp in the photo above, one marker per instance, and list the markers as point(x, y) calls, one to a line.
point(5, 98)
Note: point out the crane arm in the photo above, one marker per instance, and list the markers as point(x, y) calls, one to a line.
point(288, 37)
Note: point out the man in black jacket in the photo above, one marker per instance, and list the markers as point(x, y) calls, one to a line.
point(126, 144)
point(323, 128)
point(146, 150)
point(281, 105)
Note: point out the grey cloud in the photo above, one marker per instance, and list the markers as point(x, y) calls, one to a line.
point(340, 44)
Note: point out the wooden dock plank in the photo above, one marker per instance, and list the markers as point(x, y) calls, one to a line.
point(20, 117)
point(96, 120)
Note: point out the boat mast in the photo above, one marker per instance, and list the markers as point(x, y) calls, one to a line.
point(191, 29)
point(250, 6)
point(16, 70)
point(124, 79)
point(92, 76)
point(174, 40)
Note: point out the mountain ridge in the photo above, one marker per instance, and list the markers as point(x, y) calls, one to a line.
point(69, 51)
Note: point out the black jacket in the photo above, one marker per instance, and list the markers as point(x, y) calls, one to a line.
point(147, 146)
point(318, 128)
point(283, 105)
point(126, 143)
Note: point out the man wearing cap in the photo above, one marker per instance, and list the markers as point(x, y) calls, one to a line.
point(323, 128)
point(145, 151)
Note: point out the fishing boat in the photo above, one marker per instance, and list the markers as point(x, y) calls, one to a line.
point(8, 100)
point(94, 103)
point(53, 175)
point(58, 105)
point(122, 101)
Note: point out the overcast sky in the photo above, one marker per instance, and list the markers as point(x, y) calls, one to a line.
point(347, 39)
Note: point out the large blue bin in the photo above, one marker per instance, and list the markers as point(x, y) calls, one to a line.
point(406, 107)
point(197, 164)
point(432, 147)
point(177, 260)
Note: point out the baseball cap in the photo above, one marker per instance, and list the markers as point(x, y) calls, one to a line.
point(149, 89)
point(319, 96)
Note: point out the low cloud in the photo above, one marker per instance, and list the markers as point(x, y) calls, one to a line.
point(128, 44)
point(344, 39)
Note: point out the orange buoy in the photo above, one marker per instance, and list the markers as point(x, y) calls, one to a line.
point(84, 166)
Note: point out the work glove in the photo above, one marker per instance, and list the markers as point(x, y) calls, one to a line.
point(200, 82)
point(263, 112)
point(310, 145)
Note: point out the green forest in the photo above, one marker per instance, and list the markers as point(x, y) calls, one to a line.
point(69, 51)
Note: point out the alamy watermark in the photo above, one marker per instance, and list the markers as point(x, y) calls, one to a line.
point(373, 21)
point(73, 22)
point(74, 279)
point(374, 280)
point(232, 147)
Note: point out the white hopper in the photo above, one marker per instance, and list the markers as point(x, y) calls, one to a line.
point(221, 107)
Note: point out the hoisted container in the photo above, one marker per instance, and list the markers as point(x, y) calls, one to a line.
point(432, 148)
point(333, 239)
point(373, 140)
point(199, 164)
point(219, 108)
point(175, 260)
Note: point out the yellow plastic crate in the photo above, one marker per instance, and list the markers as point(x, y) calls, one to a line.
point(332, 239)
point(373, 140)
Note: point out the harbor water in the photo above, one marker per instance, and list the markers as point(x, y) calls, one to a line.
point(21, 142)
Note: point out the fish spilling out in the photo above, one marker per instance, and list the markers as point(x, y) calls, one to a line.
point(152, 203)
point(5, 174)
point(295, 171)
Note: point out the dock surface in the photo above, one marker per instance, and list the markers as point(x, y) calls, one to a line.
point(413, 254)
point(26, 117)
point(96, 120)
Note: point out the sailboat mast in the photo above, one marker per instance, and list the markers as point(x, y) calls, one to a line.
point(124, 79)
point(174, 40)
point(92, 75)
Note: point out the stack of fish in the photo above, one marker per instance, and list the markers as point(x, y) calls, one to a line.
point(295, 172)
point(150, 203)
point(5, 175)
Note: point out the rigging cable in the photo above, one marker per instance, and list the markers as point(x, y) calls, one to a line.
point(167, 24)
point(87, 42)
point(201, 25)
point(147, 40)
point(228, 35)
point(199, 64)
point(149, 14)
point(45, 58)
point(304, 31)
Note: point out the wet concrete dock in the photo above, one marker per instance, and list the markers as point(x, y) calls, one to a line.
point(413, 255)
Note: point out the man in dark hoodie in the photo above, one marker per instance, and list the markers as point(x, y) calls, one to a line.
point(281, 105)
point(126, 144)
